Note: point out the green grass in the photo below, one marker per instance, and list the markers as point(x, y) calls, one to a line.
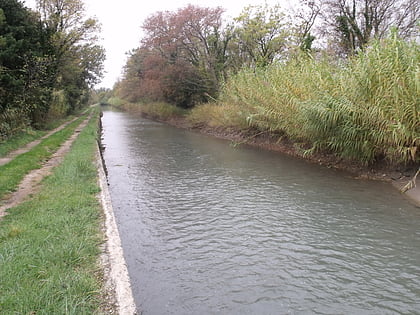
point(26, 136)
point(12, 173)
point(19, 140)
point(49, 246)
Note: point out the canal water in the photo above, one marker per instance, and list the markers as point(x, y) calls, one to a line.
point(208, 228)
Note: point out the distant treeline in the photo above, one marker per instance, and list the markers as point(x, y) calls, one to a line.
point(48, 62)
point(339, 75)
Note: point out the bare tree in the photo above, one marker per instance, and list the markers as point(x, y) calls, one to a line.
point(304, 18)
point(353, 23)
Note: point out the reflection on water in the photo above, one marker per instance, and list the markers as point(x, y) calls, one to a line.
point(211, 229)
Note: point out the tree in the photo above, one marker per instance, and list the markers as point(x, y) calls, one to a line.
point(143, 76)
point(48, 62)
point(192, 34)
point(182, 58)
point(22, 66)
point(355, 22)
point(304, 19)
point(80, 73)
point(66, 22)
point(261, 34)
point(77, 60)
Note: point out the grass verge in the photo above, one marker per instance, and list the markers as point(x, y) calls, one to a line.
point(13, 172)
point(26, 136)
point(19, 140)
point(161, 110)
point(49, 246)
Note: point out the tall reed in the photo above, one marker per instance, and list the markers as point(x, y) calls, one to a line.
point(365, 108)
point(376, 113)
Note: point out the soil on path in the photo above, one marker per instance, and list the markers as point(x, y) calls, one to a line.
point(9, 157)
point(117, 295)
point(30, 184)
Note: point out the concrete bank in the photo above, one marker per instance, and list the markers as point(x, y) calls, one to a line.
point(116, 273)
point(413, 194)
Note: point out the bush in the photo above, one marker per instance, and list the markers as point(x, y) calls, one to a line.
point(115, 101)
point(215, 115)
point(12, 121)
point(160, 110)
point(58, 107)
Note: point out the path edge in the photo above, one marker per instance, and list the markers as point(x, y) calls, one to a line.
point(116, 273)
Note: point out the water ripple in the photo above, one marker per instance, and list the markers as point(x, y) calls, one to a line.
point(208, 229)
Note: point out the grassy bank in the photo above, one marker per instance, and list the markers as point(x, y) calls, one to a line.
point(19, 140)
point(28, 135)
point(13, 172)
point(49, 246)
point(154, 110)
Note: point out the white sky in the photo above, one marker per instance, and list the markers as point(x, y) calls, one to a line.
point(121, 24)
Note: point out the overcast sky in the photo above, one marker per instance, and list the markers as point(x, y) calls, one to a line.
point(121, 24)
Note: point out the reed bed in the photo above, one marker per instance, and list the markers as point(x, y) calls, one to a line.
point(160, 110)
point(365, 108)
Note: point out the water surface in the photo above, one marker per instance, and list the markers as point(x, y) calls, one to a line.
point(211, 229)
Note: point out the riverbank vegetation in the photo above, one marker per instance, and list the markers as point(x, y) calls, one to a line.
point(49, 61)
point(366, 109)
point(333, 77)
point(49, 245)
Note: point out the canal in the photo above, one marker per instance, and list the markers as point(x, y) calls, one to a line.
point(208, 228)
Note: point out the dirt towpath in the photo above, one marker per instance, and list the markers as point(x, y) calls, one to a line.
point(9, 157)
point(30, 183)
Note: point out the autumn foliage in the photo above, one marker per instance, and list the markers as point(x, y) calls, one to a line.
point(180, 60)
point(186, 56)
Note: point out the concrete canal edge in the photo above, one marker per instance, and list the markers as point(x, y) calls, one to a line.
point(116, 273)
point(412, 194)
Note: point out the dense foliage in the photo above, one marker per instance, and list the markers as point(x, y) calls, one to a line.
point(182, 58)
point(366, 108)
point(186, 55)
point(339, 75)
point(48, 62)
